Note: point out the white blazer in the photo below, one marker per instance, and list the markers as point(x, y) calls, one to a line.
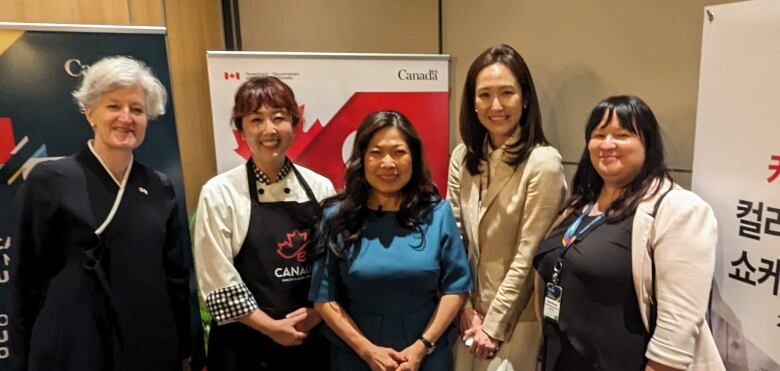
point(681, 242)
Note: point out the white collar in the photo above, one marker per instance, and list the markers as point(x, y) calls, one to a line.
point(127, 171)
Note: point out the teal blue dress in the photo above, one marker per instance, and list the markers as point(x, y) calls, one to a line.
point(391, 283)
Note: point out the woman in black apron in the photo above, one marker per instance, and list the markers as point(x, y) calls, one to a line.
point(253, 225)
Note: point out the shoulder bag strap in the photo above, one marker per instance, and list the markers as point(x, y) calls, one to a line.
point(653, 303)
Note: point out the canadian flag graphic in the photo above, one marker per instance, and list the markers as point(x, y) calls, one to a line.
point(6, 139)
point(232, 76)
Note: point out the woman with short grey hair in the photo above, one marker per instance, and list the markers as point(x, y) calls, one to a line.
point(114, 72)
point(99, 280)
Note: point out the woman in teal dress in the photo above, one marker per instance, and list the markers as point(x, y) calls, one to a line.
point(393, 271)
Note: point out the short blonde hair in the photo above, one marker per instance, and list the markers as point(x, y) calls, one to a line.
point(116, 72)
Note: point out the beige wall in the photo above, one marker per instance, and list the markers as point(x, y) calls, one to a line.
point(345, 26)
point(193, 27)
point(579, 52)
point(582, 51)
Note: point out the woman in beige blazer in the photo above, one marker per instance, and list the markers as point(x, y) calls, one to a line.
point(506, 186)
point(628, 238)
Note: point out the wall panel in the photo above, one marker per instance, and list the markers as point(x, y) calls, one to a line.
point(358, 26)
point(192, 30)
point(146, 12)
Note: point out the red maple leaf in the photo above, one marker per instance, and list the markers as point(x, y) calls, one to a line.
point(295, 246)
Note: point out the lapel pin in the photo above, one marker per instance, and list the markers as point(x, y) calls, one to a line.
point(143, 190)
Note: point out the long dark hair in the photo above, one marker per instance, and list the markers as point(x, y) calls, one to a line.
point(344, 228)
point(473, 132)
point(634, 115)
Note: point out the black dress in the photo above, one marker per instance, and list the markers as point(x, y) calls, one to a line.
point(82, 302)
point(600, 327)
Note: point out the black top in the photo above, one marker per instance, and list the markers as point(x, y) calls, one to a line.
point(600, 327)
point(78, 302)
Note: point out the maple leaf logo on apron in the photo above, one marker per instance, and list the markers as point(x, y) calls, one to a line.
point(295, 246)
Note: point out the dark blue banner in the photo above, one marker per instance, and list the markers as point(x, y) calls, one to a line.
point(39, 119)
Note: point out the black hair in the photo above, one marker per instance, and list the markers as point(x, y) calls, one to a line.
point(473, 132)
point(634, 115)
point(344, 228)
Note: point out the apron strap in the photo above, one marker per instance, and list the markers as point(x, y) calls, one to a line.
point(252, 182)
point(304, 184)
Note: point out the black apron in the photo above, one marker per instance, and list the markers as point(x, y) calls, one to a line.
point(273, 264)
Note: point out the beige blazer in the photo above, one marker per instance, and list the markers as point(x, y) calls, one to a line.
point(682, 242)
point(502, 221)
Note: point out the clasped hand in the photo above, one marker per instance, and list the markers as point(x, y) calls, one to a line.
point(388, 359)
point(470, 324)
point(294, 328)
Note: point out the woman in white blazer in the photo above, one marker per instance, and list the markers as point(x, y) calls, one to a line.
point(506, 185)
point(625, 273)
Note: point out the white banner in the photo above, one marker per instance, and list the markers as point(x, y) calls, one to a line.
point(736, 168)
point(336, 91)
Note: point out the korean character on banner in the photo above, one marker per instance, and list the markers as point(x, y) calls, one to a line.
point(4, 353)
point(5, 244)
point(748, 228)
point(772, 221)
point(743, 259)
point(770, 269)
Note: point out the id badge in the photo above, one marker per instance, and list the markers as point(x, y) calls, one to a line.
point(552, 302)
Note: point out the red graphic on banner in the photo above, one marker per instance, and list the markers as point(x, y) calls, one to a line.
point(243, 148)
point(295, 246)
point(320, 148)
point(232, 76)
point(7, 143)
point(775, 168)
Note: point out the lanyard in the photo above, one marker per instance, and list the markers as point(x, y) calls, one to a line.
point(574, 233)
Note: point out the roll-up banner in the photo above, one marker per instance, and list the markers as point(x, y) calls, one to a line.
point(736, 168)
point(40, 65)
point(335, 92)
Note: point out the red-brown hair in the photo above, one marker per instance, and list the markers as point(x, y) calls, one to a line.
point(264, 91)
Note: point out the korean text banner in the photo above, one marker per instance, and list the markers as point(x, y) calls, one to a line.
point(335, 92)
point(736, 169)
point(40, 65)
